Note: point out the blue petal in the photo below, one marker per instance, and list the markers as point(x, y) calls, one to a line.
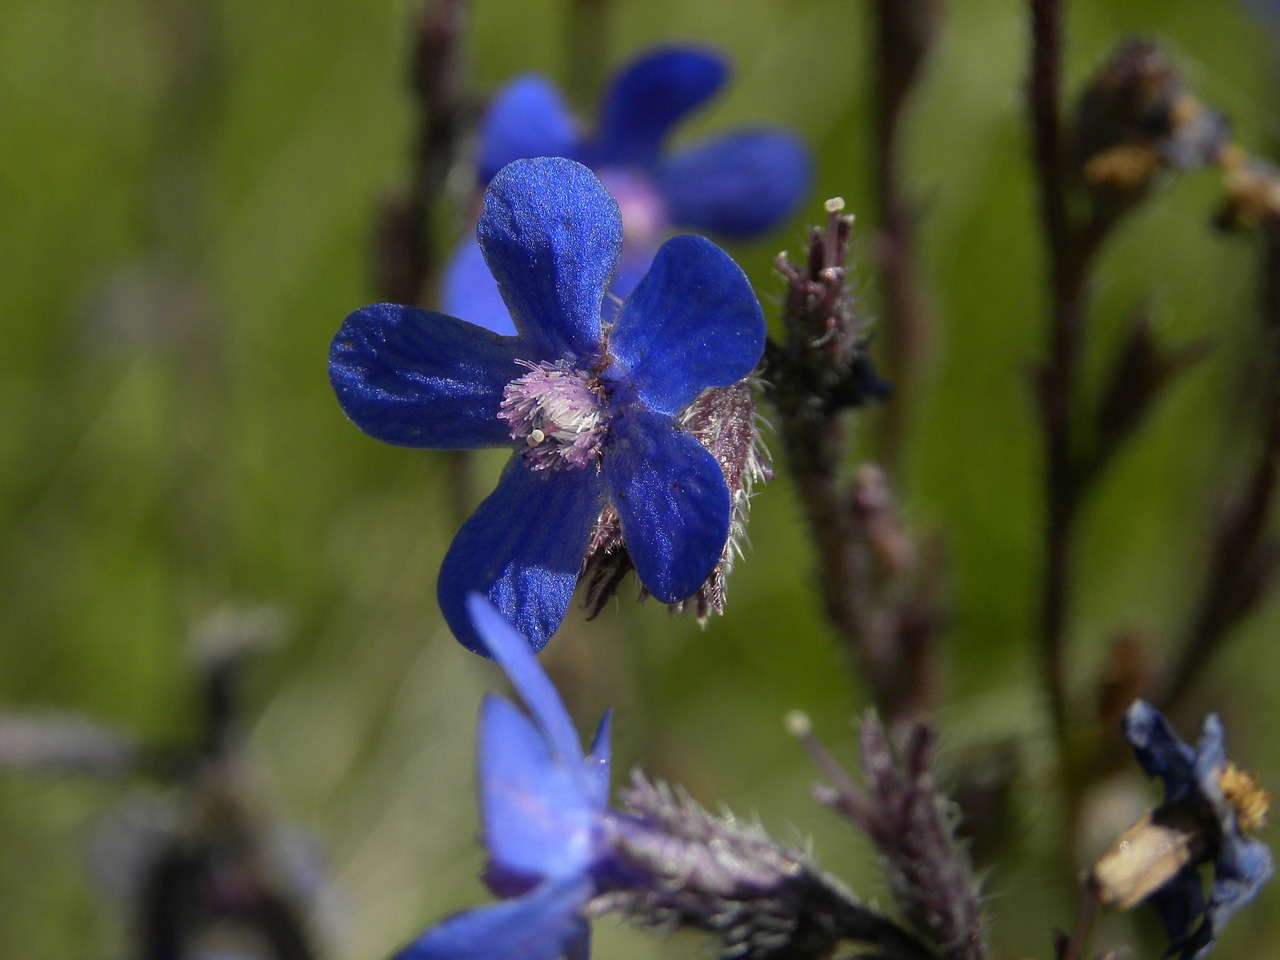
point(522, 549)
point(1179, 904)
point(1241, 868)
point(527, 118)
point(647, 99)
point(542, 925)
point(597, 760)
point(551, 235)
point(737, 186)
point(421, 379)
point(469, 291)
point(1159, 751)
point(527, 677)
point(692, 323)
point(671, 497)
point(539, 812)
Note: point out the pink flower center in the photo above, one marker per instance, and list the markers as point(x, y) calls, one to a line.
point(644, 212)
point(559, 414)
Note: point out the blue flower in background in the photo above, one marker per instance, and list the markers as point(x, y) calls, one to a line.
point(591, 410)
point(542, 807)
point(1202, 788)
point(736, 186)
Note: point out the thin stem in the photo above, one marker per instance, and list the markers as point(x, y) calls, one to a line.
point(1074, 947)
point(1237, 577)
point(904, 32)
point(1069, 257)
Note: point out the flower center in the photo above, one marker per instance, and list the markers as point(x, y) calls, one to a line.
point(644, 211)
point(559, 414)
point(1250, 801)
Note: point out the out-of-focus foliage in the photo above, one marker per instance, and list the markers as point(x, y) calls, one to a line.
point(188, 194)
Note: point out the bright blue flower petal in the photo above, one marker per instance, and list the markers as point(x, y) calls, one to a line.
point(693, 322)
point(522, 549)
point(540, 812)
point(527, 118)
point(421, 379)
point(738, 186)
point(648, 98)
point(671, 497)
point(468, 290)
point(541, 925)
point(551, 235)
point(529, 680)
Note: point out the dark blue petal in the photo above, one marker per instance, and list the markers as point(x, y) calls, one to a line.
point(1179, 904)
point(647, 99)
point(693, 322)
point(522, 549)
point(542, 925)
point(421, 379)
point(737, 186)
point(527, 677)
point(469, 291)
point(671, 497)
point(551, 235)
point(527, 118)
point(539, 812)
point(1159, 751)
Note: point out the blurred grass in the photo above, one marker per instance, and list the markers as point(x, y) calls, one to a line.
point(188, 193)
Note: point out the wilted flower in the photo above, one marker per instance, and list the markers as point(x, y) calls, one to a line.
point(735, 186)
point(1138, 119)
point(592, 409)
point(1209, 806)
point(560, 855)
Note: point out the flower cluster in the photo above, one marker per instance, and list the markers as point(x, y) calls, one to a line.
point(591, 409)
point(735, 186)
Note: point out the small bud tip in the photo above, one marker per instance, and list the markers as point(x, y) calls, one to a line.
point(798, 724)
point(834, 205)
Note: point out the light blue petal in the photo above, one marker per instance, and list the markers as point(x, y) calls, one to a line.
point(1240, 870)
point(522, 549)
point(527, 118)
point(738, 186)
point(692, 323)
point(527, 677)
point(597, 761)
point(671, 497)
point(468, 290)
point(539, 812)
point(551, 235)
point(542, 925)
point(649, 97)
point(421, 379)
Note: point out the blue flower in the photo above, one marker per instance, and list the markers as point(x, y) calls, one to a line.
point(736, 186)
point(590, 409)
point(1209, 805)
point(542, 807)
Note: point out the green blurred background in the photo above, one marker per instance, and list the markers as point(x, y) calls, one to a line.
point(187, 206)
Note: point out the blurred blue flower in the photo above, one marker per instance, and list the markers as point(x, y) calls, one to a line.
point(542, 805)
point(1202, 783)
point(736, 186)
point(591, 409)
